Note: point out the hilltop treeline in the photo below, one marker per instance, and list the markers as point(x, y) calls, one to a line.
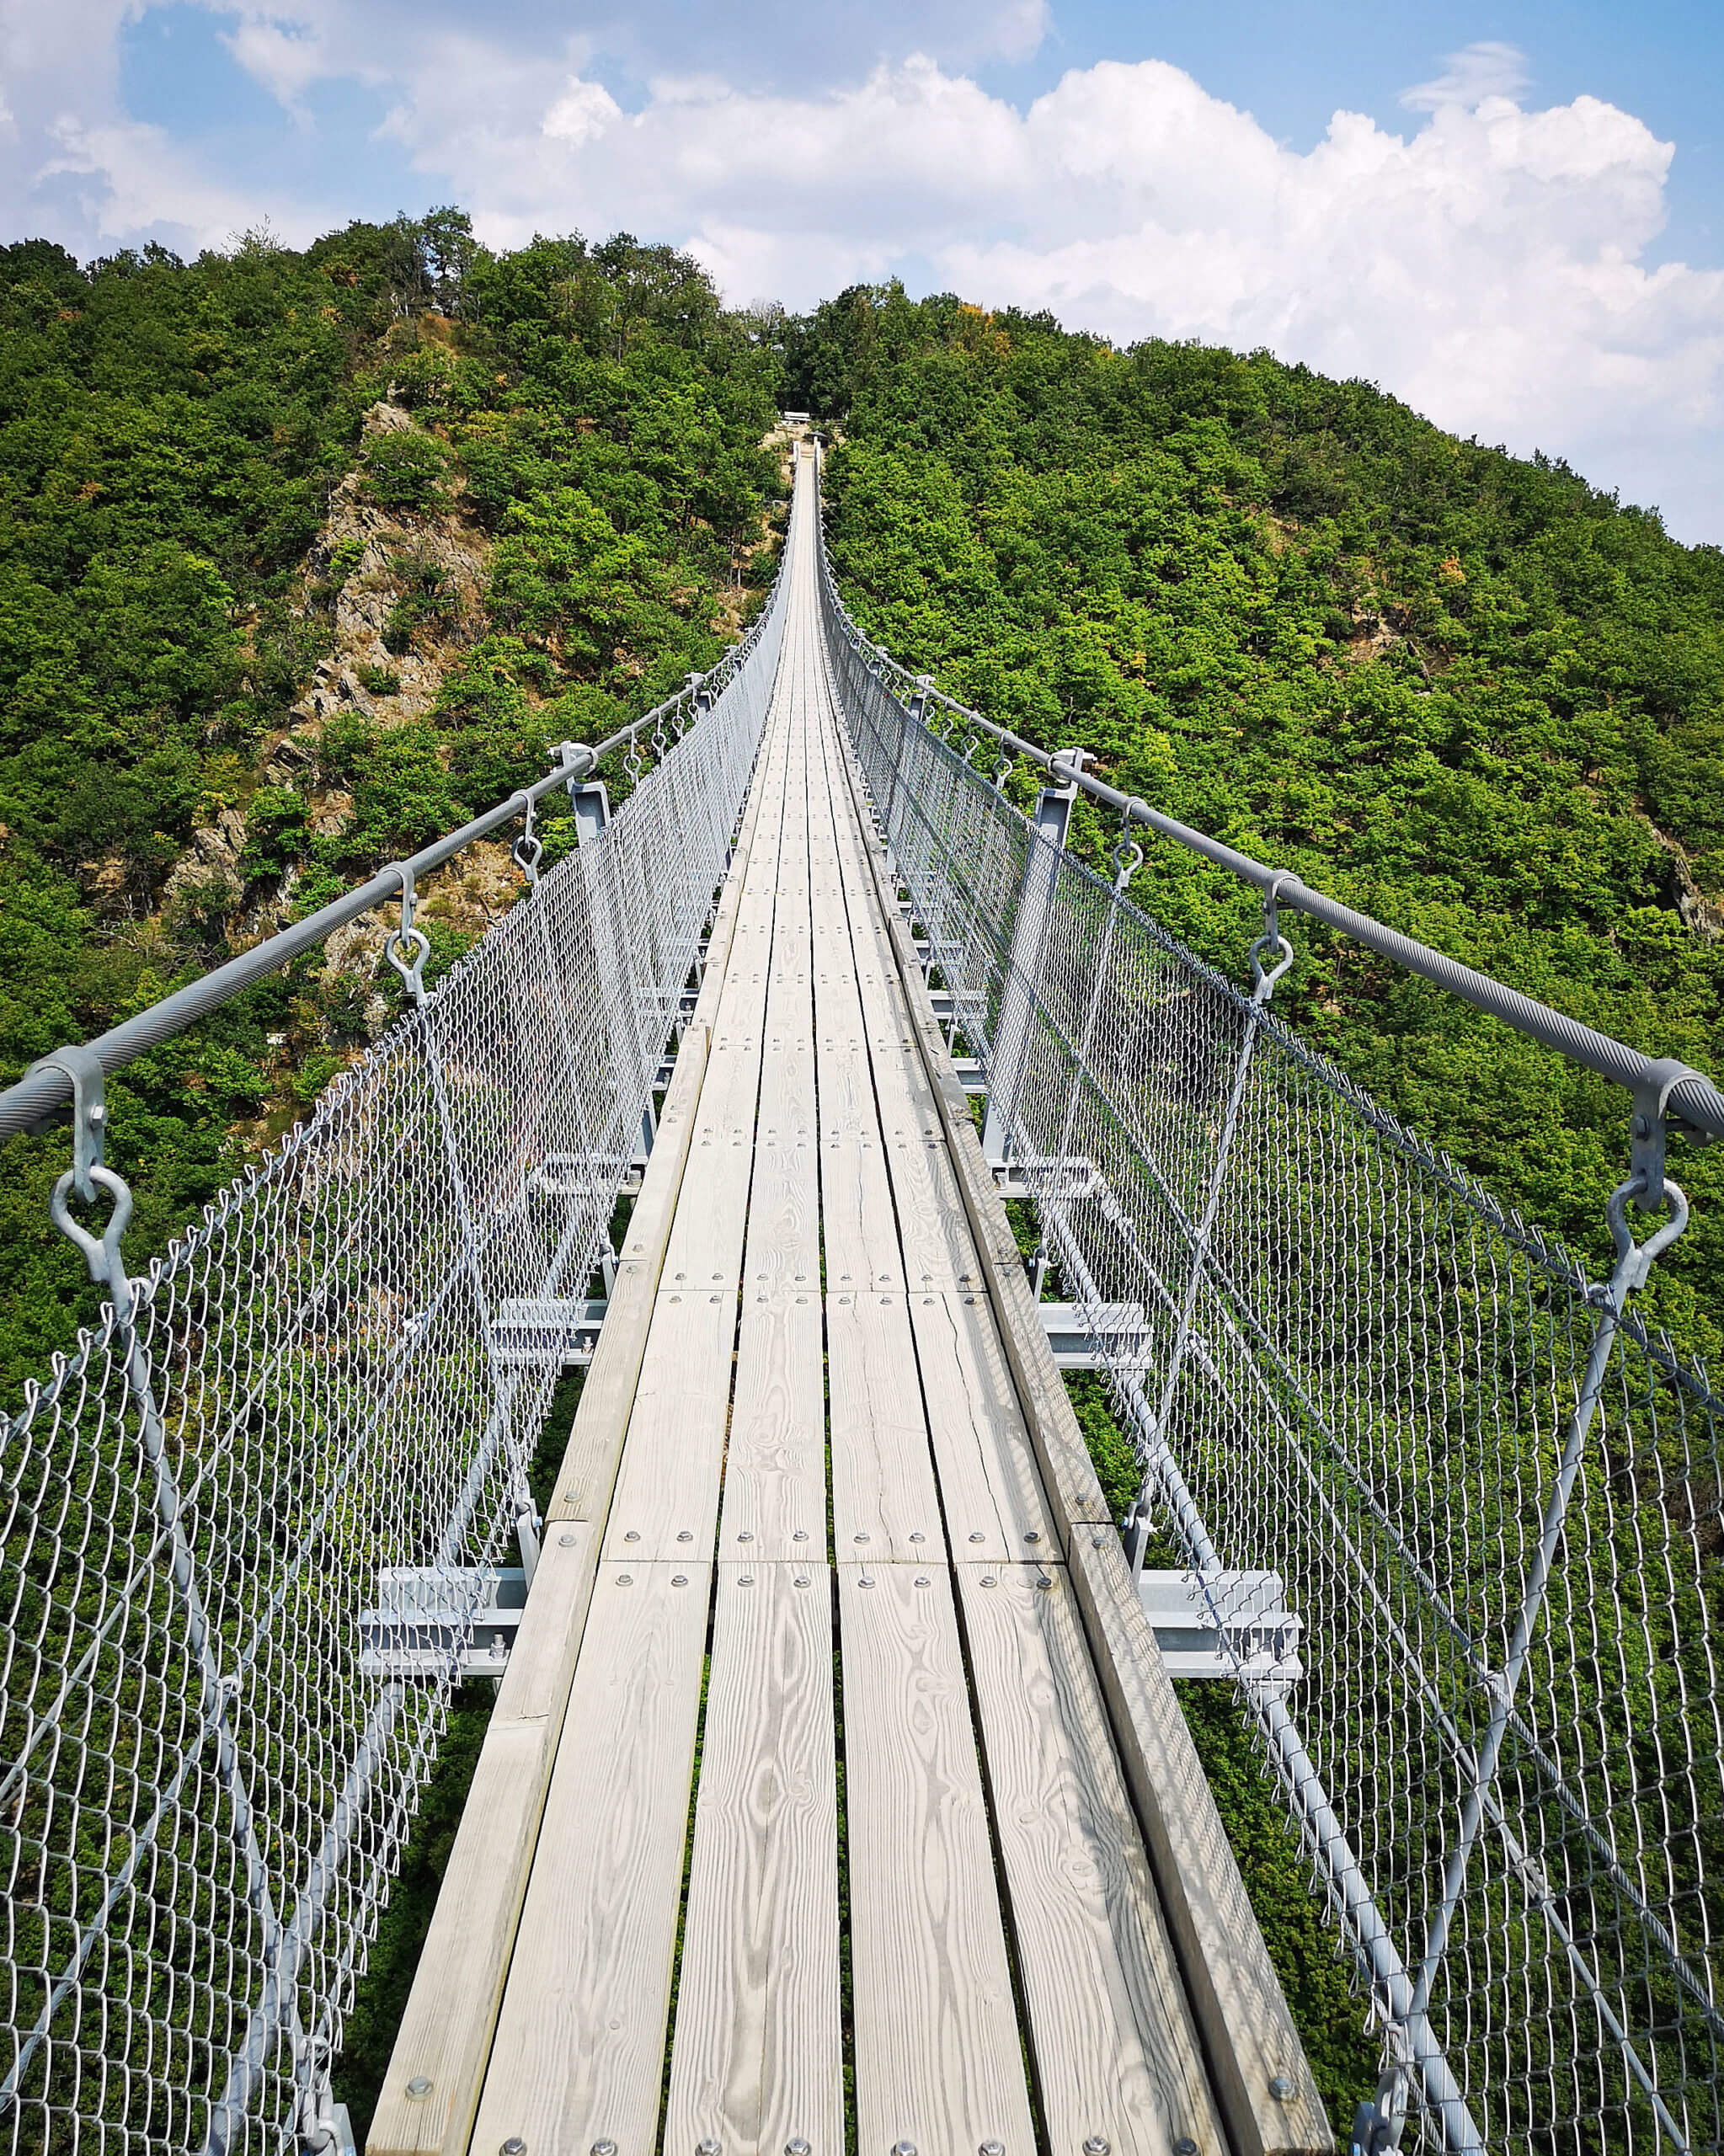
point(1466, 692)
point(576, 427)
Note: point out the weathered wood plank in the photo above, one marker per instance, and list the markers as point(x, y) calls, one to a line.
point(580, 2048)
point(775, 1471)
point(885, 1505)
point(756, 2063)
point(990, 1483)
point(666, 1501)
point(937, 2059)
point(1115, 2054)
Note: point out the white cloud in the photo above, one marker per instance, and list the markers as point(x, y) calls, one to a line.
point(1488, 264)
point(1487, 69)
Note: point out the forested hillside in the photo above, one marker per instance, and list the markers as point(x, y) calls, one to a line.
point(304, 558)
point(1464, 692)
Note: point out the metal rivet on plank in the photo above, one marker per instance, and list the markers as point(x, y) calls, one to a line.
point(904, 2149)
point(606, 2147)
point(991, 2148)
point(988, 1580)
point(632, 1535)
point(796, 2147)
point(1185, 2146)
point(1280, 2088)
point(978, 1536)
point(565, 1542)
point(800, 1535)
point(1032, 1536)
point(859, 1538)
point(625, 1579)
point(686, 1535)
point(746, 1536)
point(1095, 2146)
point(515, 2146)
point(802, 1579)
point(678, 1579)
point(706, 2149)
point(922, 1579)
point(418, 2086)
point(865, 1581)
point(918, 1536)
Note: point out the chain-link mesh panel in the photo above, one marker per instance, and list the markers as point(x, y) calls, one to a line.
point(1365, 1396)
point(207, 1764)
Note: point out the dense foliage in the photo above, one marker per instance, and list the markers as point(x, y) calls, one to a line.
point(1464, 692)
point(173, 437)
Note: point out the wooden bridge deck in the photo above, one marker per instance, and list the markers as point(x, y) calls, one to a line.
point(821, 1773)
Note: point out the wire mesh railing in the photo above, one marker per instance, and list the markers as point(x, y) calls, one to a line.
point(1363, 1392)
point(325, 1396)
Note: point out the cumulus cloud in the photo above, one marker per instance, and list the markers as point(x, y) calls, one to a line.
point(1488, 262)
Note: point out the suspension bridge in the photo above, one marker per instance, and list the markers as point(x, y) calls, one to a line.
point(837, 1795)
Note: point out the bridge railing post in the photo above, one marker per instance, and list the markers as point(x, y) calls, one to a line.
point(1021, 974)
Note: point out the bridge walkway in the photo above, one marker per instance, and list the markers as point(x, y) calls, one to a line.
point(802, 1792)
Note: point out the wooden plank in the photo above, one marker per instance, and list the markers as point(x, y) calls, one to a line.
point(990, 1485)
point(885, 1505)
point(937, 2059)
point(938, 1249)
point(775, 1471)
point(1115, 2053)
point(445, 2036)
point(580, 2048)
point(1248, 2032)
point(857, 1221)
point(756, 2063)
point(783, 1247)
point(666, 1504)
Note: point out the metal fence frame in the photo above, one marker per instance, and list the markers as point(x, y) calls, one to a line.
point(338, 1372)
point(1538, 1941)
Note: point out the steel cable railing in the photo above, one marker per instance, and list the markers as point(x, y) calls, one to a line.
point(335, 1379)
point(1361, 1388)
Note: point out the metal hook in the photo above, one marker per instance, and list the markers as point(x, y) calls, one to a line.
point(1128, 859)
point(1636, 1261)
point(1264, 979)
point(529, 849)
point(409, 947)
point(101, 1254)
point(1002, 770)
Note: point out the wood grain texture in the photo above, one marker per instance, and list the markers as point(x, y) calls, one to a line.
point(990, 1483)
point(885, 1505)
point(445, 2036)
point(937, 2058)
point(580, 2048)
point(666, 1501)
point(756, 2059)
point(775, 1471)
point(858, 1223)
point(1114, 2051)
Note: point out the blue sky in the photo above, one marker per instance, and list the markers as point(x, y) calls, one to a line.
point(1517, 228)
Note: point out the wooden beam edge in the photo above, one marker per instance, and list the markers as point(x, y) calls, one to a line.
point(1241, 2012)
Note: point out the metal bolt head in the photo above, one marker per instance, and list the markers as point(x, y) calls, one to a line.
point(565, 1542)
point(796, 2147)
point(1281, 2087)
point(904, 2149)
point(604, 2147)
point(706, 2147)
point(978, 1536)
point(1185, 2146)
point(991, 2148)
point(417, 2087)
point(515, 2146)
point(1095, 2146)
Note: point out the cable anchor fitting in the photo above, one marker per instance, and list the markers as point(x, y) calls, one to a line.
point(1272, 941)
point(409, 947)
point(1649, 1127)
point(529, 849)
point(88, 1172)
